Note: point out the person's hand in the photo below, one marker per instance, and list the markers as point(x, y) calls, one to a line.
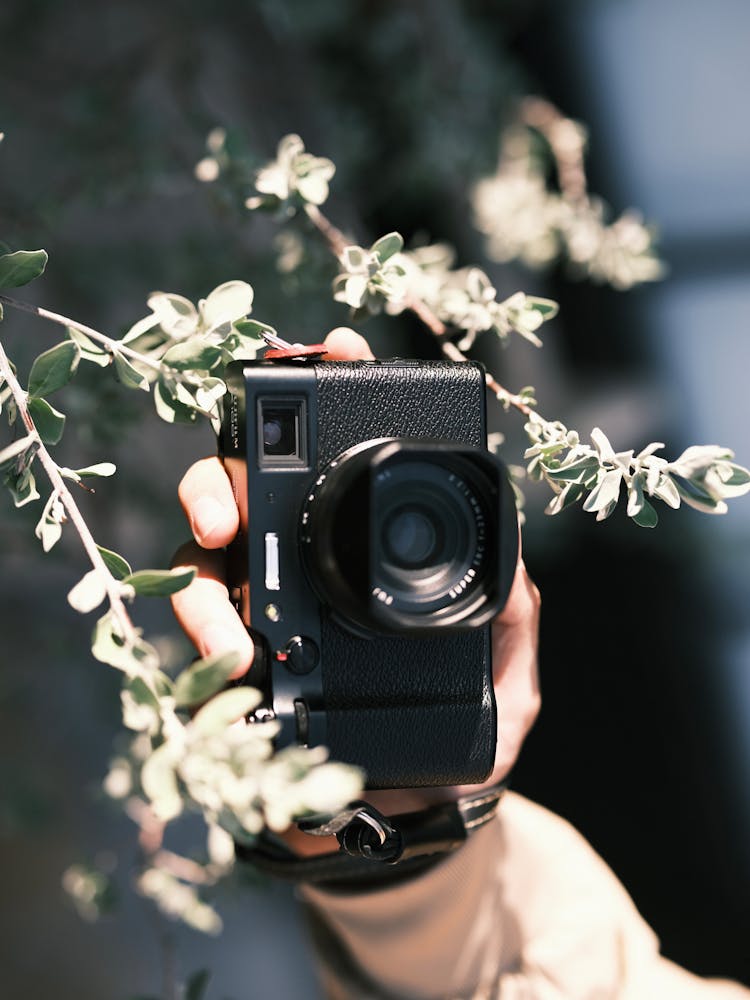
point(210, 621)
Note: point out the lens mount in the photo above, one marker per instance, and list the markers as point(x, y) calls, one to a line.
point(406, 536)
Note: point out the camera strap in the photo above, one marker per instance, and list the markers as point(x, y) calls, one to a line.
point(375, 849)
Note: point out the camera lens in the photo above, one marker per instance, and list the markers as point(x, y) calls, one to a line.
point(430, 530)
point(410, 536)
point(404, 537)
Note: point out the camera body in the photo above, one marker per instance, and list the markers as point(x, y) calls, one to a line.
point(378, 538)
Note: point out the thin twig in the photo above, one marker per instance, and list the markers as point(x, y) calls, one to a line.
point(71, 508)
point(109, 343)
point(333, 236)
point(182, 868)
point(566, 140)
point(150, 828)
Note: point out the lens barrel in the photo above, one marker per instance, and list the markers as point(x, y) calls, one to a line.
point(408, 536)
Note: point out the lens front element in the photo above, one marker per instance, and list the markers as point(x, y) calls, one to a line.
point(429, 529)
point(410, 536)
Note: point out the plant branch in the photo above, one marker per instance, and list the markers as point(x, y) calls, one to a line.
point(566, 140)
point(151, 829)
point(108, 342)
point(335, 239)
point(337, 242)
point(71, 508)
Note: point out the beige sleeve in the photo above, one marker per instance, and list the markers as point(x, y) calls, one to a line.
point(524, 911)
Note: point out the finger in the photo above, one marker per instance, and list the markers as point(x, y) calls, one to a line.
point(523, 604)
point(208, 501)
point(515, 634)
point(204, 610)
point(515, 639)
point(345, 345)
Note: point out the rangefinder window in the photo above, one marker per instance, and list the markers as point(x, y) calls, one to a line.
point(282, 434)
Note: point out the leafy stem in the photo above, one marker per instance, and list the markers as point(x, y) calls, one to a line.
point(111, 585)
point(109, 343)
point(337, 243)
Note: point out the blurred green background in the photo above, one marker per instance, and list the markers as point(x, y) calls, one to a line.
point(105, 107)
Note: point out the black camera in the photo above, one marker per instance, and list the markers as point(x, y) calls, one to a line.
point(378, 538)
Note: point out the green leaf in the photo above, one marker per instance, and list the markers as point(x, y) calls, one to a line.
point(139, 329)
point(354, 259)
point(108, 645)
point(636, 499)
point(574, 470)
point(49, 527)
point(140, 706)
point(12, 451)
point(227, 303)
point(224, 709)
point(204, 678)
point(118, 567)
point(128, 375)
point(21, 267)
point(89, 592)
point(177, 315)
point(547, 307)
point(387, 246)
point(160, 582)
point(90, 351)
point(22, 487)
point(605, 493)
point(195, 988)
point(252, 328)
point(54, 369)
point(174, 404)
point(159, 782)
point(569, 495)
point(697, 498)
point(646, 516)
point(192, 355)
point(99, 470)
point(210, 391)
point(48, 421)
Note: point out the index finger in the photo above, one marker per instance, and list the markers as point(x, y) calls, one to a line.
point(208, 501)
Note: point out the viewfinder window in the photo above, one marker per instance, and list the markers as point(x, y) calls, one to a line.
point(282, 433)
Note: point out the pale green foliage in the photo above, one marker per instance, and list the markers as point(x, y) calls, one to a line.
point(210, 167)
point(293, 179)
point(467, 302)
point(370, 278)
point(523, 219)
point(21, 267)
point(214, 762)
point(90, 889)
point(226, 767)
point(703, 476)
point(182, 349)
point(386, 276)
point(178, 899)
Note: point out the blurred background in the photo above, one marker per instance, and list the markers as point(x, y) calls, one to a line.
point(643, 739)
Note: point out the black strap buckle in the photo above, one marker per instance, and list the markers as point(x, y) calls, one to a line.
point(406, 843)
point(362, 832)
